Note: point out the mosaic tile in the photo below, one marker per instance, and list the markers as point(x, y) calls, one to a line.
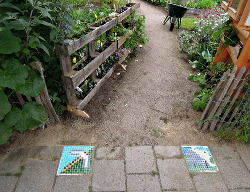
point(76, 160)
point(199, 159)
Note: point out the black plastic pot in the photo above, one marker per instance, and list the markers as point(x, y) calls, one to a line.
point(175, 12)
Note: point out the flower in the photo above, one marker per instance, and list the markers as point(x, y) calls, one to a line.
point(74, 60)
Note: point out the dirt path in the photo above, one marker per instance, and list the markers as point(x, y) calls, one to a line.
point(149, 104)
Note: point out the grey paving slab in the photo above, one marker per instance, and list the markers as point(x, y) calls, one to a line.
point(165, 152)
point(180, 191)
point(72, 184)
point(240, 190)
point(235, 173)
point(46, 153)
point(224, 153)
point(38, 176)
point(108, 175)
point(140, 159)
point(8, 183)
point(146, 183)
point(174, 174)
point(245, 156)
point(109, 153)
point(13, 161)
point(209, 182)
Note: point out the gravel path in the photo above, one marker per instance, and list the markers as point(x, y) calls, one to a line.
point(147, 105)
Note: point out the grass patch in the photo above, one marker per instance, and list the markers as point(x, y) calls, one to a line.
point(188, 23)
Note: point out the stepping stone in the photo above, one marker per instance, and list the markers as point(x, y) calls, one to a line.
point(108, 175)
point(146, 183)
point(7, 183)
point(38, 176)
point(174, 175)
point(72, 183)
point(167, 152)
point(235, 173)
point(140, 159)
point(209, 183)
point(109, 153)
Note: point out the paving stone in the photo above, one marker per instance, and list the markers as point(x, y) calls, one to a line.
point(234, 173)
point(72, 184)
point(140, 159)
point(209, 183)
point(38, 176)
point(146, 183)
point(7, 183)
point(46, 153)
point(14, 160)
point(245, 156)
point(240, 190)
point(109, 153)
point(174, 174)
point(224, 153)
point(165, 152)
point(108, 175)
point(180, 191)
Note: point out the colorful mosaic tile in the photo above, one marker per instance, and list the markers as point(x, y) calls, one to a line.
point(76, 160)
point(199, 159)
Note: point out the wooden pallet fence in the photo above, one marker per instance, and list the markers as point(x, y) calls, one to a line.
point(223, 101)
point(73, 78)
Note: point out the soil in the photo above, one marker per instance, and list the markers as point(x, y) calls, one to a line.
point(148, 104)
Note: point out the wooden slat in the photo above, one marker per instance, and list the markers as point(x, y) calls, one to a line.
point(124, 15)
point(221, 98)
point(227, 100)
point(44, 96)
point(81, 75)
point(135, 6)
point(87, 99)
point(242, 34)
point(74, 45)
point(122, 40)
point(70, 91)
point(235, 96)
point(213, 97)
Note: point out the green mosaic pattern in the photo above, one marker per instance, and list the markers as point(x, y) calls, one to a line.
point(76, 160)
point(199, 159)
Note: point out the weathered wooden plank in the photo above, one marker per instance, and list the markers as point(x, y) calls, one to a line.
point(70, 91)
point(227, 100)
point(213, 97)
point(87, 99)
point(44, 96)
point(135, 6)
point(74, 45)
point(222, 95)
point(64, 59)
point(237, 91)
point(81, 75)
point(92, 49)
point(122, 40)
point(124, 15)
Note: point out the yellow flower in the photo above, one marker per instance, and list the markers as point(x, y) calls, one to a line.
point(74, 60)
point(96, 16)
point(98, 41)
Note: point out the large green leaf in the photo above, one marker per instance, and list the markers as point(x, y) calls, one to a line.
point(32, 86)
point(5, 106)
point(13, 73)
point(5, 133)
point(13, 117)
point(9, 43)
point(33, 115)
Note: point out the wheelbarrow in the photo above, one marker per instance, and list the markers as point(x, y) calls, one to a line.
point(175, 12)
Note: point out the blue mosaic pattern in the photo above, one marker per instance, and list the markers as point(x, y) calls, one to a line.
point(199, 159)
point(76, 160)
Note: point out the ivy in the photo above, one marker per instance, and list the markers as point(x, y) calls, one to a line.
point(5, 106)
